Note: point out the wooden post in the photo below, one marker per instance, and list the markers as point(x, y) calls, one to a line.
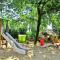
point(0, 30)
point(1, 38)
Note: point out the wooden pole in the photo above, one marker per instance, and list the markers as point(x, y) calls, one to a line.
point(1, 38)
point(0, 30)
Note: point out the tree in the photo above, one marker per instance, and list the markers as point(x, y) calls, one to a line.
point(42, 6)
point(54, 18)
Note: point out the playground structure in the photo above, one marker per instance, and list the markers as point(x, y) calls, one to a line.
point(5, 36)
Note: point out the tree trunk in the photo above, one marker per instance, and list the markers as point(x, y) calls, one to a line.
point(38, 24)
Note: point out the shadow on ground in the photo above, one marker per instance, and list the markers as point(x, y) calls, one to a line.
point(35, 53)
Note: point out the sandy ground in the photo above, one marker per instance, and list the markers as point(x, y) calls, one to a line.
point(35, 53)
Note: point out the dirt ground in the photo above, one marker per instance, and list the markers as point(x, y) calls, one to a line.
point(35, 53)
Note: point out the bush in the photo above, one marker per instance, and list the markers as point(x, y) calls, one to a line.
point(22, 31)
point(30, 35)
point(13, 33)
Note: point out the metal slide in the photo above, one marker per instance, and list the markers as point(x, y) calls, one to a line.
point(17, 46)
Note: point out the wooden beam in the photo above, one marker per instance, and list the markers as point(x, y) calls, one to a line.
point(0, 30)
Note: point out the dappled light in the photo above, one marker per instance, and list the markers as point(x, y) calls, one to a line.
point(29, 29)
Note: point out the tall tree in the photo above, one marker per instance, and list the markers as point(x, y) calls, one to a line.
point(42, 6)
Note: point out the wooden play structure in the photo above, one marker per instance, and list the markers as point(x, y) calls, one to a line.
point(6, 38)
point(2, 40)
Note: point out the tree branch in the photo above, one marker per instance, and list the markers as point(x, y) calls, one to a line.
point(44, 3)
point(51, 10)
point(39, 2)
point(41, 7)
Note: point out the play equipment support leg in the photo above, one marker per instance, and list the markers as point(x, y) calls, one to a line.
point(0, 30)
point(1, 38)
